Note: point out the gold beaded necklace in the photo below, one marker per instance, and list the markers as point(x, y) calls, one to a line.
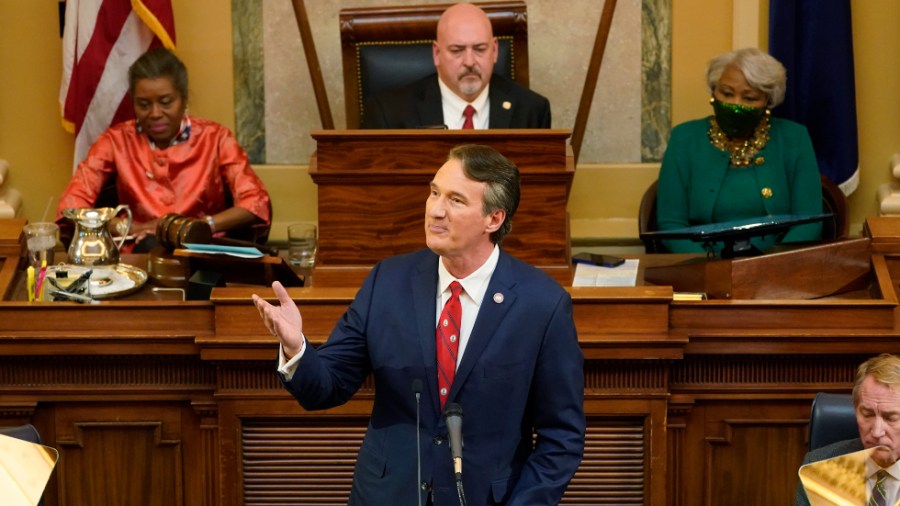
point(743, 151)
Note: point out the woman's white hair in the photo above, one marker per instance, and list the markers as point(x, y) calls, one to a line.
point(760, 69)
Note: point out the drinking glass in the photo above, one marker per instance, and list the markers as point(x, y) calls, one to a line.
point(41, 240)
point(302, 245)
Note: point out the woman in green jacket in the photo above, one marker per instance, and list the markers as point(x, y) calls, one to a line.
point(740, 162)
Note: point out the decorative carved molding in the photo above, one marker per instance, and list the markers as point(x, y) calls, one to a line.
point(262, 376)
point(18, 412)
point(113, 371)
point(626, 375)
point(738, 371)
point(205, 409)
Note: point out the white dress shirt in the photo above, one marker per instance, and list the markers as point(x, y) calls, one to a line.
point(454, 106)
point(474, 285)
point(891, 486)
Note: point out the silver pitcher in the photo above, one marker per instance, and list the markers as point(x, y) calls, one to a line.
point(92, 244)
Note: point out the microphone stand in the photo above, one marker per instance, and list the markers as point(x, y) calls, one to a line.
point(417, 389)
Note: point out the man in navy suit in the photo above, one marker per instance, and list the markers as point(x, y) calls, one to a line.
point(519, 372)
point(876, 398)
point(464, 52)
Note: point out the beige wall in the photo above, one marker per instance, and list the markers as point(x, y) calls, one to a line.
point(604, 198)
point(877, 51)
point(31, 138)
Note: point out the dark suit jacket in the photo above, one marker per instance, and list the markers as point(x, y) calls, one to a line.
point(418, 105)
point(522, 370)
point(823, 453)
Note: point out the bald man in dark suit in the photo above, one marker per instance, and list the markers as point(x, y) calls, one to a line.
point(463, 93)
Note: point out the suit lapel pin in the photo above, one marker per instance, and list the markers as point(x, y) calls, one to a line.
point(507, 105)
point(498, 298)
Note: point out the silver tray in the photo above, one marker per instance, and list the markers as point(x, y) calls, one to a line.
point(106, 282)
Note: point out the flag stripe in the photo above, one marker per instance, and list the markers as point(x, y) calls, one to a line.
point(89, 69)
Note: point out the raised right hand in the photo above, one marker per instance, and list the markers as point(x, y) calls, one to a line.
point(283, 321)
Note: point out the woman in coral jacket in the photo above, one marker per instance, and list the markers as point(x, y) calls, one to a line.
point(165, 161)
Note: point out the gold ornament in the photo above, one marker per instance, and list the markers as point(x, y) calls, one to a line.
point(743, 152)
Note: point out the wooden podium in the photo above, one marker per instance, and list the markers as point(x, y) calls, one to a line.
point(804, 273)
point(372, 187)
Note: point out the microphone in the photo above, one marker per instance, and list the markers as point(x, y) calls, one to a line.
point(453, 415)
point(417, 390)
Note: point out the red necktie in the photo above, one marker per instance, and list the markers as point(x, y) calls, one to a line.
point(468, 113)
point(447, 341)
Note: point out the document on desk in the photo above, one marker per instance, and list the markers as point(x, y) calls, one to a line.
point(597, 275)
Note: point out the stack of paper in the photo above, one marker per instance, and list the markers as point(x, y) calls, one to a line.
point(597, 275)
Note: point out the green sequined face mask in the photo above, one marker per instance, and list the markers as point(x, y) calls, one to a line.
point(737, 120)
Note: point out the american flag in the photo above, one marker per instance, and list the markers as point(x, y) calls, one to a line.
point(101, 39)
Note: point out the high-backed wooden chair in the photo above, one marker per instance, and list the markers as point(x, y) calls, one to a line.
point(833, 201)
point(388, 47)
point(647, 220)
